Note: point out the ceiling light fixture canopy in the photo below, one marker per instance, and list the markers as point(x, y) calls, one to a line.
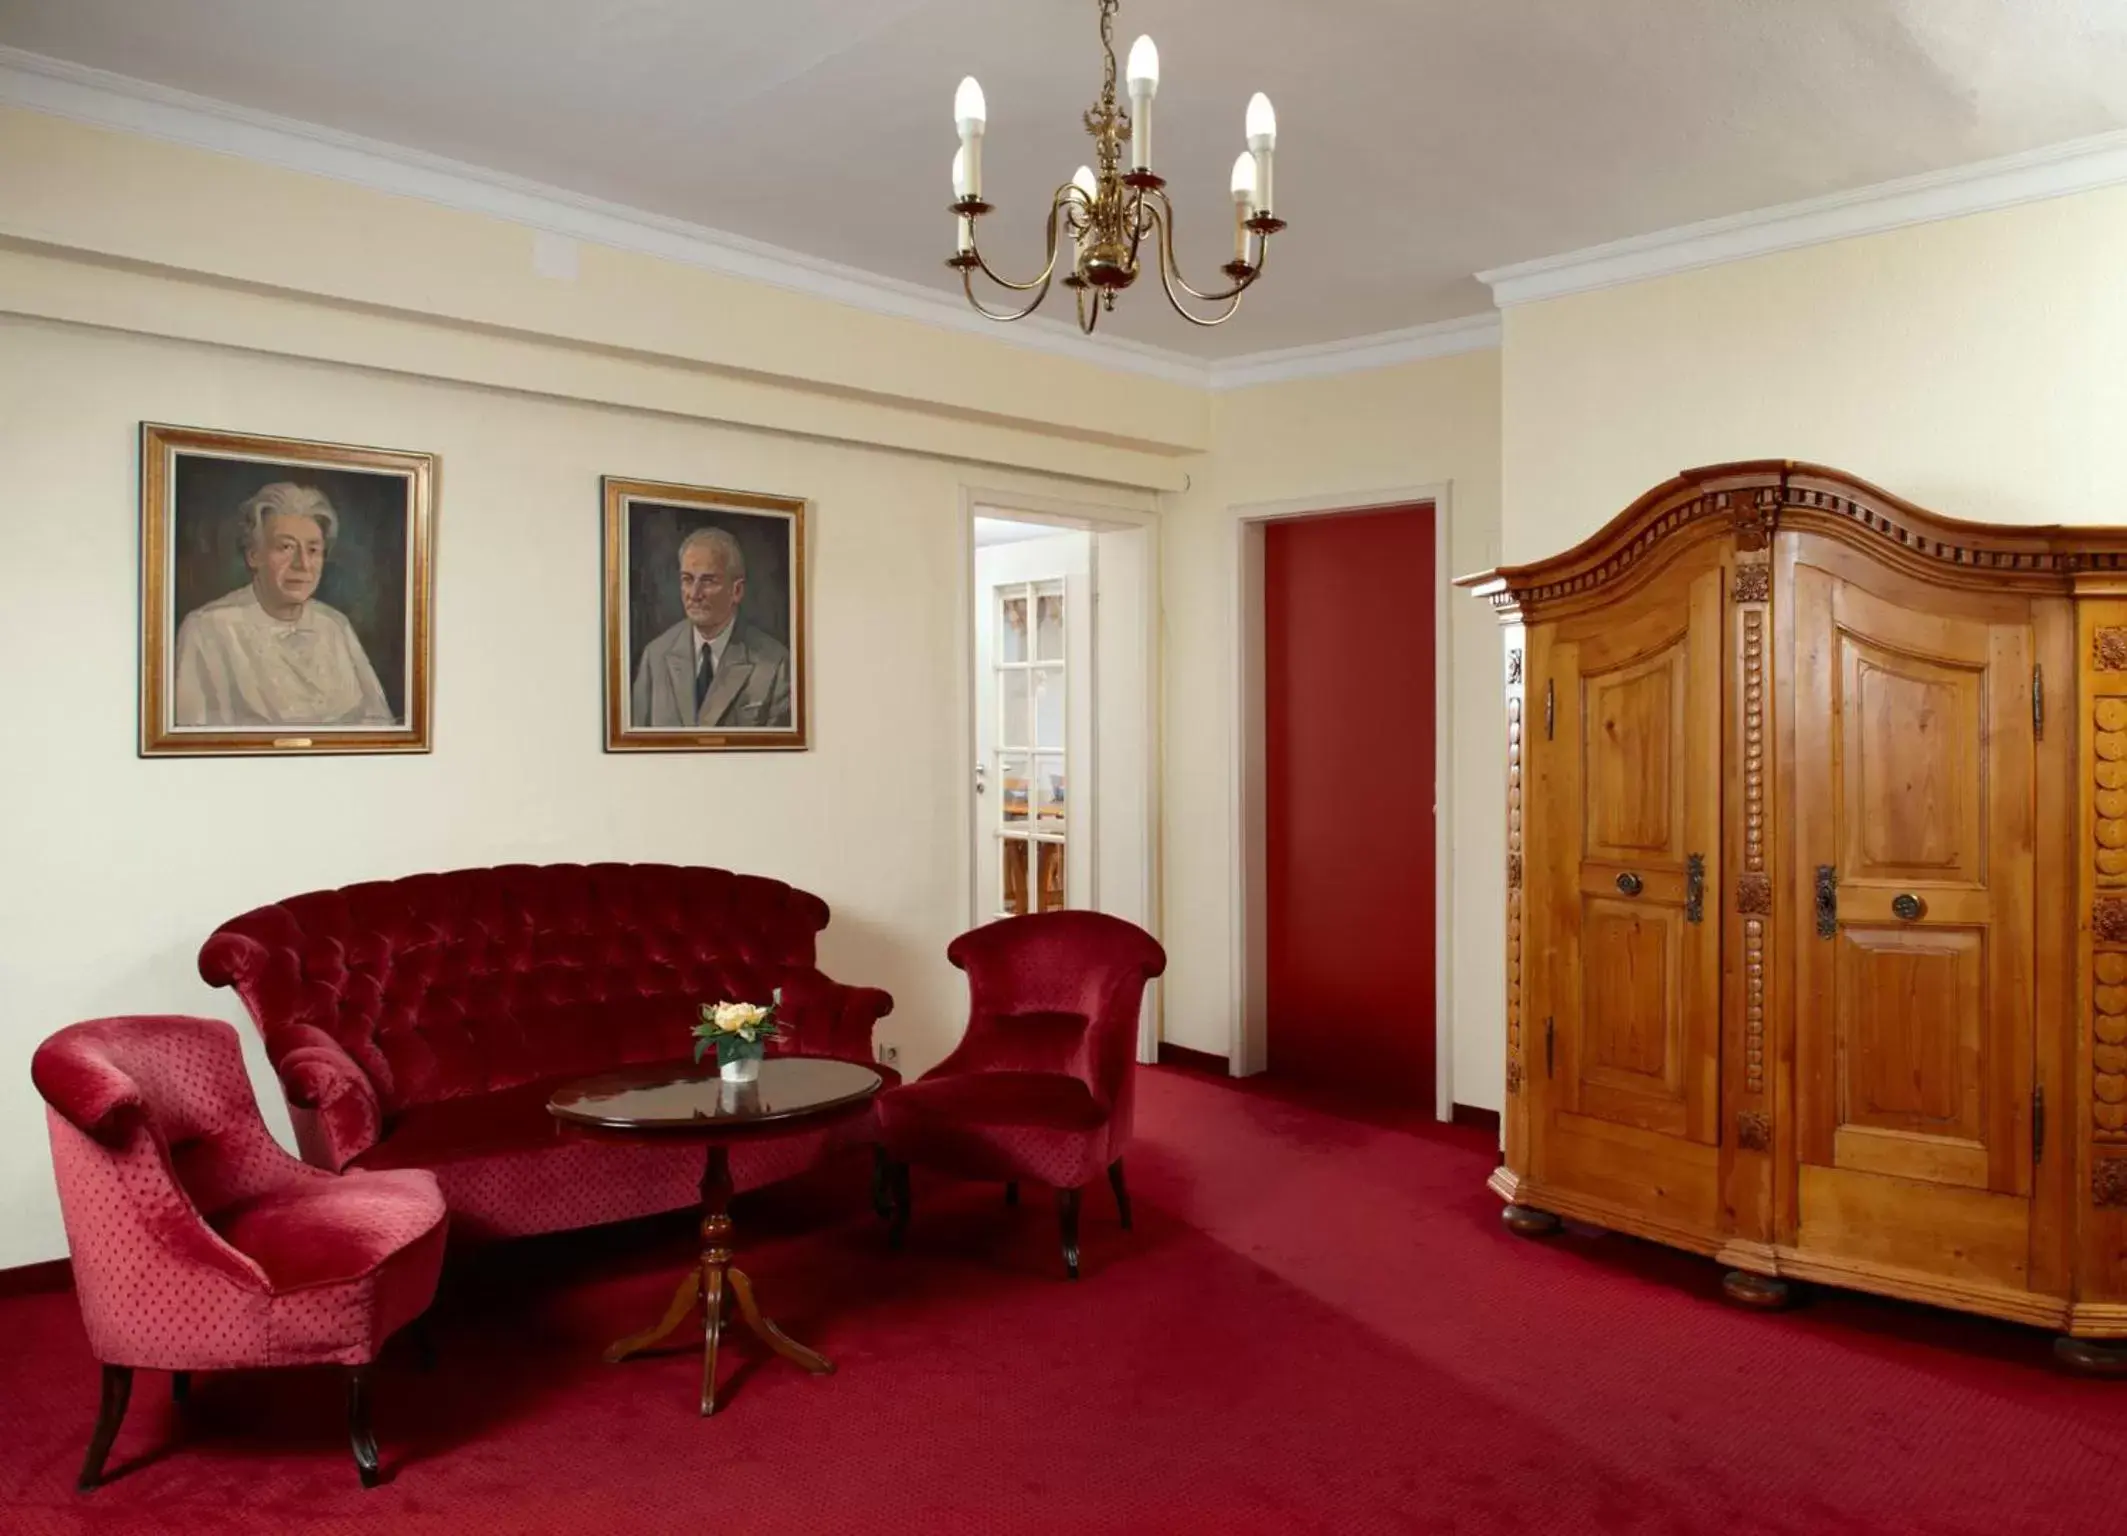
point(1110, 213)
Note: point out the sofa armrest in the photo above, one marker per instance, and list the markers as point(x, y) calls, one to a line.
point(331, 1100)
point(827, 1018)
point(232, 960)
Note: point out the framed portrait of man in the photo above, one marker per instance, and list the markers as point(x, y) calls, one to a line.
point(705, 619)
point(285, 595)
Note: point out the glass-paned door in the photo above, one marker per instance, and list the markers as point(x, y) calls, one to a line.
point(1030, 756)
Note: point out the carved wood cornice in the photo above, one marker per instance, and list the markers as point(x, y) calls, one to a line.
point(1750, 500)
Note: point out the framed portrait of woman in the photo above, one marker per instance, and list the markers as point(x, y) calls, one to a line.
point(285, 595)
point(705, 619)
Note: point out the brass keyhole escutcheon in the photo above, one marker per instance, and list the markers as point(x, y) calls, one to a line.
point(1908, 907)
point(1629, 883)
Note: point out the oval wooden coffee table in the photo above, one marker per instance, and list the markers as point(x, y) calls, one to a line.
point(696, 1105)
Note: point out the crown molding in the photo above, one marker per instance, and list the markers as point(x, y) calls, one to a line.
point(105, 100)
point(2058, 170)
point(1384, 349)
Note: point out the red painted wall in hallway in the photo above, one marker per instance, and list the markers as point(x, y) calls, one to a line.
point(1349, 720)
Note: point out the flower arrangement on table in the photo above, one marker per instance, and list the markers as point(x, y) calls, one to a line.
point(739, 1033)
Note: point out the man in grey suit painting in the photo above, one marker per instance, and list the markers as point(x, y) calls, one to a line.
point(712, 670)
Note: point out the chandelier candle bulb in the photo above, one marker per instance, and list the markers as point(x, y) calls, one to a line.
point(1144, 77)
point(1244, 197)
point(960, 195)
point(1262, 129)
point(1082, 228)
point(970, 114)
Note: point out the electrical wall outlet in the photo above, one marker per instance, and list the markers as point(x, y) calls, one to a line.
point(889, 1055)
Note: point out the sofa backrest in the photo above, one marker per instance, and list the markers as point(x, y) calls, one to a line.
point(472, 980)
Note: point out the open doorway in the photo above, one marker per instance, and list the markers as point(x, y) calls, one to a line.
point(1062, 727)
point(1341, 663)
point(1035, 793)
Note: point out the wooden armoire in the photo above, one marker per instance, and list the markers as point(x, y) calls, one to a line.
point(1817, 895)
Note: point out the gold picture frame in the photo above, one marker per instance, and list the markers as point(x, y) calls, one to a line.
point(286, 595)
point(691, 569)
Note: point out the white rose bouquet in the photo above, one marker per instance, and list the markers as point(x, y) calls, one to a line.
point(737, 1031)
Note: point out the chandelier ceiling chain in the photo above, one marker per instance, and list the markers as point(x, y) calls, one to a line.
point(1110, 214)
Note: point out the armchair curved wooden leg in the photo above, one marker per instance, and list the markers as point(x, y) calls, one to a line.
point(117, 1390)
point(359, 1435)
point(180, 1387)
point(1067, 1219)
point(1122, 1193)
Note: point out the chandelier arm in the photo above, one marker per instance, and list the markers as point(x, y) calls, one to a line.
point(1064, 195)
point(1088, 316)
point(1171, 274)
point(1141, 222)
point(1233, 305)
point(967, 284)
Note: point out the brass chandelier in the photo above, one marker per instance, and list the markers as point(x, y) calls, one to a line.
point(1110, 214)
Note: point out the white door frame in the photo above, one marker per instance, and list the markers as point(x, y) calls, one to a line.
point(1249, 1044)
point(1092, 517)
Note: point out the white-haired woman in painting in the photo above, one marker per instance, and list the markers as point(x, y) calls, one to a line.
point(269, 653)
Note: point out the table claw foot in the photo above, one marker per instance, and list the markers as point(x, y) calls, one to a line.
point(775, 1338)
point(683, 1299)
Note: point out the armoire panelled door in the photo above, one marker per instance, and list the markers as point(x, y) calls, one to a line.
point(1915, 744)
point(1816, 896)
point(1627, 758)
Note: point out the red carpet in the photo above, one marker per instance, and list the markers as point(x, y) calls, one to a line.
point(1318, 1326)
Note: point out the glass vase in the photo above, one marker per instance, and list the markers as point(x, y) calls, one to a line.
point(739, 1062)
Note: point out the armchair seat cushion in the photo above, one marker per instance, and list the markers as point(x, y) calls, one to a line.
point(328, 1231)
point(999, 1125)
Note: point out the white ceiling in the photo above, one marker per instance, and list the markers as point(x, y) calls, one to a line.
point(1420, 140)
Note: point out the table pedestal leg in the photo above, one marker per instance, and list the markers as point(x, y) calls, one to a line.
point(706, 1283)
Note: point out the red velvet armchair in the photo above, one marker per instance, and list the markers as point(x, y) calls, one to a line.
point(198, 1244)
point(1042, 1084)
point(424, 1022)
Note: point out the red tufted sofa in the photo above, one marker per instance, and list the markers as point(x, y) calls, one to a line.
point(423, 1023)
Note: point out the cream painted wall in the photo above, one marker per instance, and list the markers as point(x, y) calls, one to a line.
point(1973, 366)
point(116, 868)
point(134, 285)
point(122, 196)
point(1355, 435)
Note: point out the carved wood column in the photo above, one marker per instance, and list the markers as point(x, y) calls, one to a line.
point(1747, 912)
point(1515, 1120)
point(2097, 1119)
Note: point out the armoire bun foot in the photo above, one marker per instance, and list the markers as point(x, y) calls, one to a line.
point(2092, 1357)
point(1764, 1293)
point(1815, 918)
point(1527, 1221)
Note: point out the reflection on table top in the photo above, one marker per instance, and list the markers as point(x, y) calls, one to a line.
point(665, 1097)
